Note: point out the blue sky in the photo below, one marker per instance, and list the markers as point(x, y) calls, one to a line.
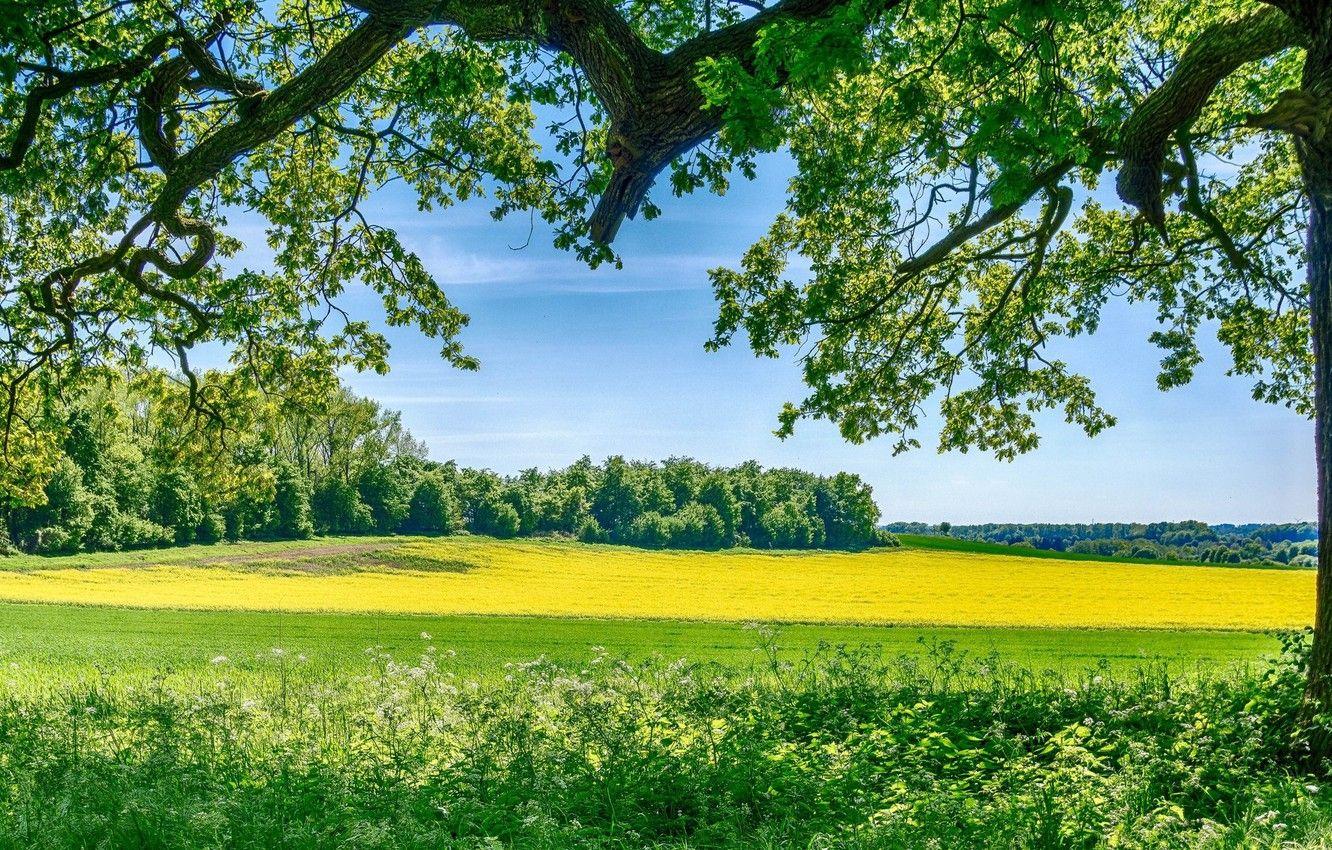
point(576, 361)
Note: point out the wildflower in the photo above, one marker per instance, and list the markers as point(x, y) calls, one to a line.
point(220, 659)
point(278, 652)
point(425, 635)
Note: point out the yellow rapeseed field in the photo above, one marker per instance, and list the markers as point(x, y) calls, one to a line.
point(483, 576)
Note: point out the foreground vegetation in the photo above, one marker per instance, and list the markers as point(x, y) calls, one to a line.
point(480, 575)
point(236, 728)
point(838, 749)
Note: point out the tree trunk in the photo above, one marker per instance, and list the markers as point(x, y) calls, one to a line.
point(1316, 166)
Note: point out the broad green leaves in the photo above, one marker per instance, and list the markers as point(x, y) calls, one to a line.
point(946, 226)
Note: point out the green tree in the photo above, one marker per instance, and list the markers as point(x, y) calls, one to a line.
point(952, 228)
point(65, 514)
point(496, 516)
point(791, 525)
point(177, 505)
point(386, 489)
point(717, 494)
point(650, 530)
point(337, 508)
point(616, 502)
point(696, 526)
point(291, 502)
point(212, 524)
point(683, 477)
point(434, 507)
point(846, 506)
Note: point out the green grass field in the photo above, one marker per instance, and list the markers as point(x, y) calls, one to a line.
point(42, 638)
point(38, 640)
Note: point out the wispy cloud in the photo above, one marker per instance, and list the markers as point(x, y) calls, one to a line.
point(484, 437)
point(428, 399)
point(455, 266)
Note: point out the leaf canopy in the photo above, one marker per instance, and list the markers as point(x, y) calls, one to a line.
point(946, 225)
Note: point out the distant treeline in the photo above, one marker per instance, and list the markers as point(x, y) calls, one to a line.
point(1294, 544)
point(131, 470)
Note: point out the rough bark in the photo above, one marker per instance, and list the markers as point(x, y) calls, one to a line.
point(1305, 114)
point(656, 110)
point(1314, 144)
point(1216, 54)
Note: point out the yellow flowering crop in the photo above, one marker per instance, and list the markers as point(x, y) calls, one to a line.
point(483, 576)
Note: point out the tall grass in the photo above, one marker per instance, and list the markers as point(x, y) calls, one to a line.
point(842, 749)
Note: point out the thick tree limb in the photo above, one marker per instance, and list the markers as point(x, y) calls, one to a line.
point(1297, 112)
point(266, 117)
point(68, 82)
point(657, 111)
point(275, 112)
point(1216, 54)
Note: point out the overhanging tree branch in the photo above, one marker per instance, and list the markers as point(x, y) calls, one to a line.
point(1215, 55)
point(656, 110)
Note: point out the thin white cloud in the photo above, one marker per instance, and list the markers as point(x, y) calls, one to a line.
point(427, 399)
point(439, 438)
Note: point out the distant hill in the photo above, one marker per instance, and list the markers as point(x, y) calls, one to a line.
point(1286, 544)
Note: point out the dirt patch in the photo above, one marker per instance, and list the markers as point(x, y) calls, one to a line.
point(295, 554)
point(340, 560)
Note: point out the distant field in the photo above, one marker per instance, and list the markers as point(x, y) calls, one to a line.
point(953, 544)
point(481, 576)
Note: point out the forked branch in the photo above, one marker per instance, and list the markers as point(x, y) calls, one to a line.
point(1173, 107)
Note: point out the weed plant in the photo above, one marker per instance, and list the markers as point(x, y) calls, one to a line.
point(843, 748)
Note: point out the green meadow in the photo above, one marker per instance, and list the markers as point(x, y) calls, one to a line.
point(86, 638)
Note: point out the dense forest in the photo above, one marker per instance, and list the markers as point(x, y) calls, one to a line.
point(1291, 544)
point(131, 466)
